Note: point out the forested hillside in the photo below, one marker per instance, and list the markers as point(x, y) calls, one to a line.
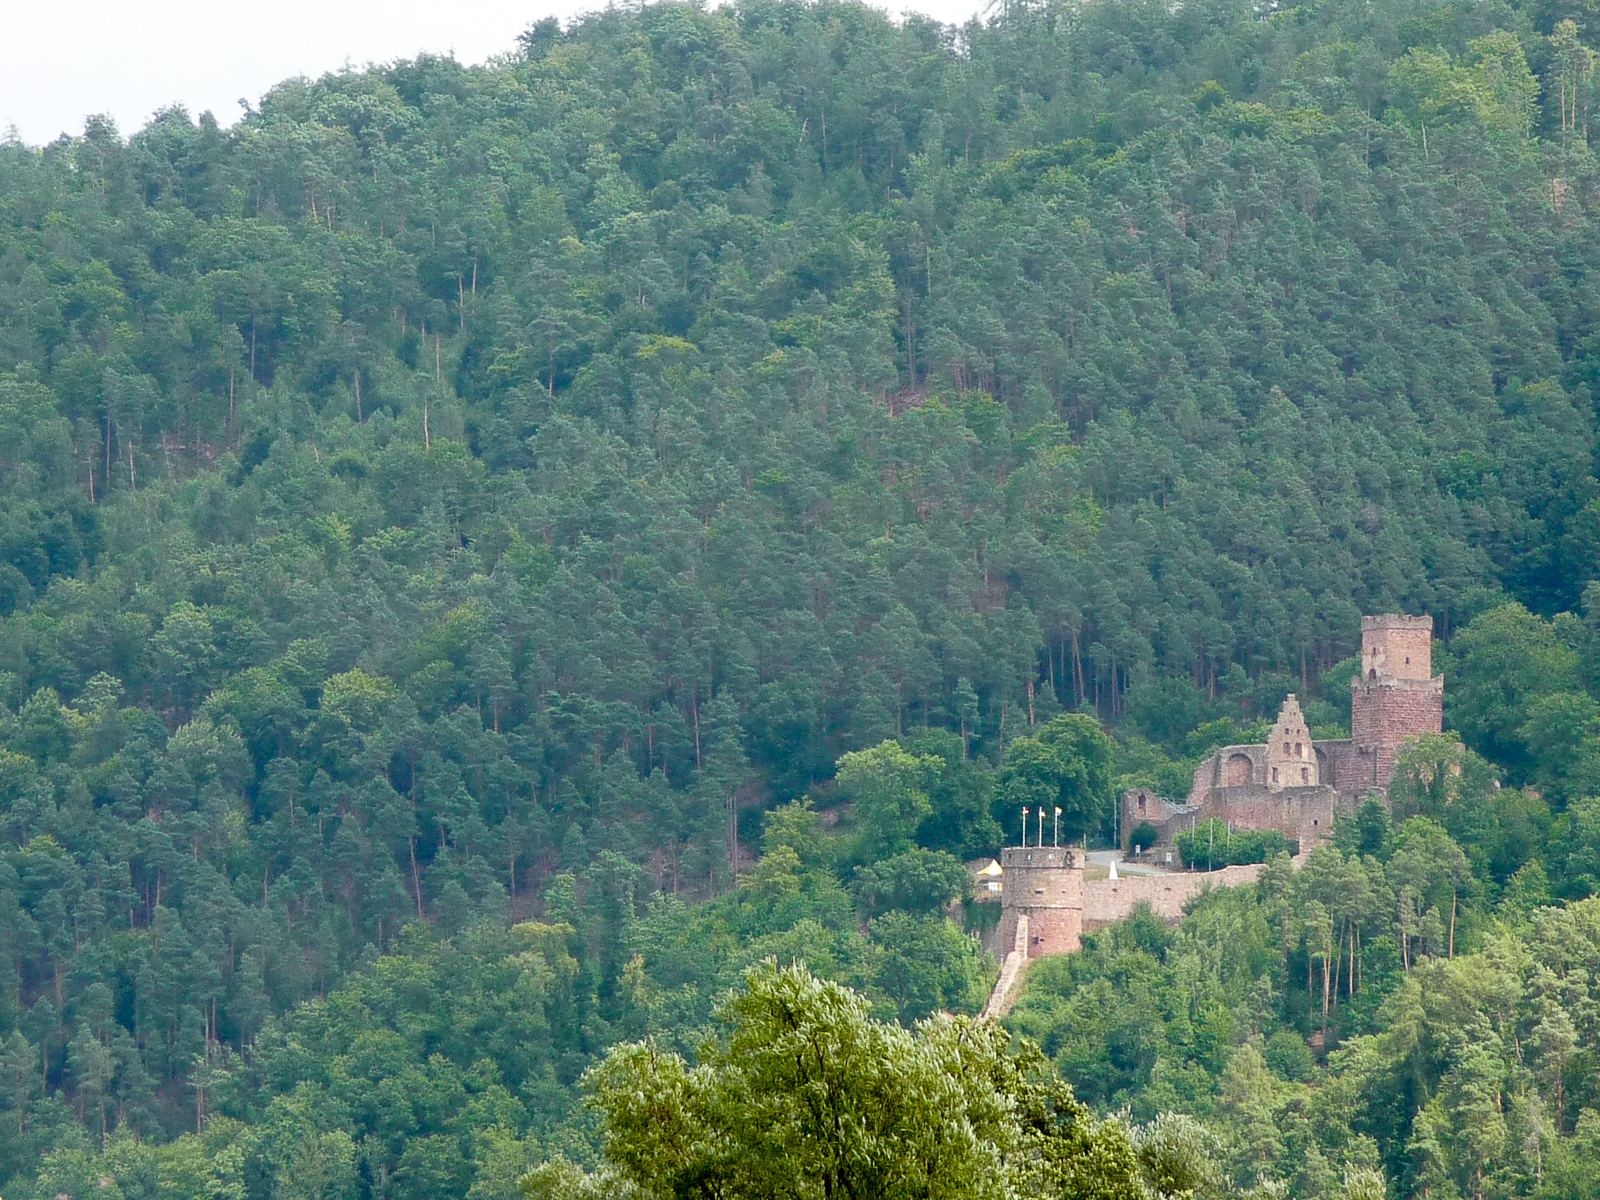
point(487, 554)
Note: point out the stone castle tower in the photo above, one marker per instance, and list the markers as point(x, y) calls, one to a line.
point(1396, 696)
point(1298, 786)
point(1042, 899)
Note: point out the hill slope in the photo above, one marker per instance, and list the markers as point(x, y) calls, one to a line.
point(458, 491)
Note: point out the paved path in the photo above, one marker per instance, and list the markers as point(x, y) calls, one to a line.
point(1104, 858)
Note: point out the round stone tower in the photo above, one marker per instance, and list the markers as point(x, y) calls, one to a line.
point(1044, 884)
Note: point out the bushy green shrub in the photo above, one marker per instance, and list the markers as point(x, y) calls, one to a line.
point(1214, 843)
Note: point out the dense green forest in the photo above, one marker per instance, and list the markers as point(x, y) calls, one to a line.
point(489, 555)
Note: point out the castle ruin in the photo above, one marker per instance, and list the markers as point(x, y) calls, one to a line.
point(1289, 783)
point(1297, 786)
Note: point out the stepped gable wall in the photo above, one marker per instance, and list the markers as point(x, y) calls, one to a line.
point(1291, 758)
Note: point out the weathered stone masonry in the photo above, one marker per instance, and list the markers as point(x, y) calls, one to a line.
point(1045, 883)
point(1296, 786)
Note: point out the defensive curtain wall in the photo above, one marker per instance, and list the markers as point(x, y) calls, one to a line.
point(1046, 905)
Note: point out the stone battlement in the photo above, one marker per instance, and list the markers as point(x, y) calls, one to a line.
point(1047, 905)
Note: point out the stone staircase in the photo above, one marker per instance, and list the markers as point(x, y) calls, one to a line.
point(1000, 1000)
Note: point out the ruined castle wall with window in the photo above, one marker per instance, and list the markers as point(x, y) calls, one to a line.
point(1296, 786)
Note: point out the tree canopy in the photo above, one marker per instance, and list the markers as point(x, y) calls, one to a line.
point(807, 1096)
point(578, 526)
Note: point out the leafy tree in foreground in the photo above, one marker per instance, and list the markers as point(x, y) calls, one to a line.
point(808, 1096)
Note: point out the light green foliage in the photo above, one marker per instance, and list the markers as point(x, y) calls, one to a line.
point(1499, 828)
point(1491, 83)
point(797, 827)
point(888, 792)
point(959, 798)
point(1175, 1155)
point(1066, 763)
point(1496, 667)
point(560, 1180)
point(809, 1093)
point(807, 1096)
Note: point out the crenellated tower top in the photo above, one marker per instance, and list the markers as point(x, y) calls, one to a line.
point(1396, 647)
point(1397, 696)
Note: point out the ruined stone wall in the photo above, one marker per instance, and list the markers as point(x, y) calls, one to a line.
point(1109, 900)
point(1045, 883)
point(1304, 814)
point(1384, 714)
point(1229, 767)
point(1141, 805)
point(1349, 768)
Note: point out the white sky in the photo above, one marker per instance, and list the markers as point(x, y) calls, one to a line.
point(61, 60)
